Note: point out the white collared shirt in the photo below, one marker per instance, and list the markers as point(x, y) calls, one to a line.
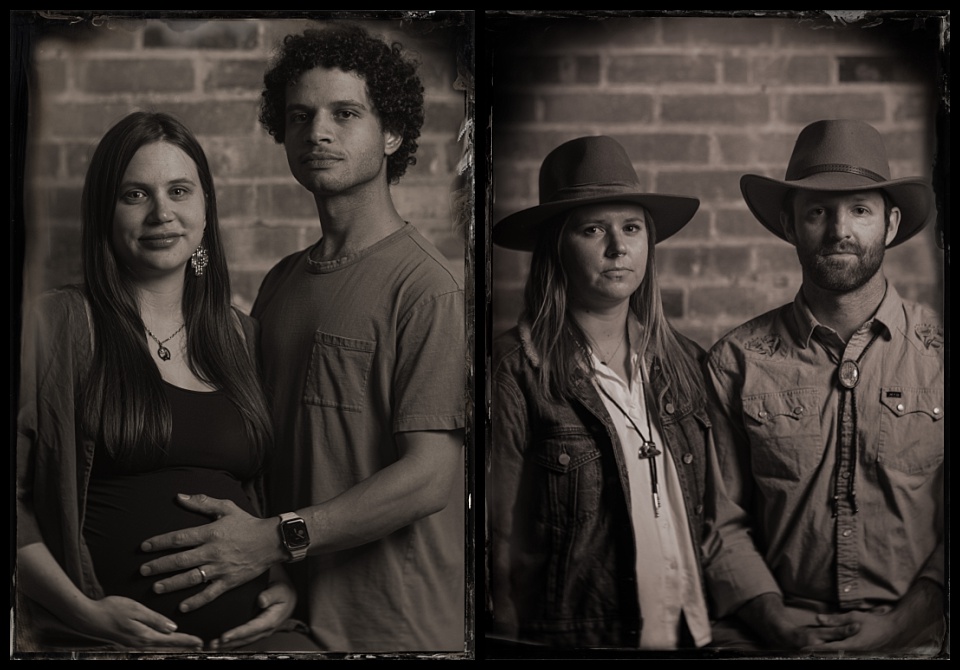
point(667, 578)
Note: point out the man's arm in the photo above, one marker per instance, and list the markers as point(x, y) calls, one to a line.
point(734, 567)
point(917, 620)
point(238, 547)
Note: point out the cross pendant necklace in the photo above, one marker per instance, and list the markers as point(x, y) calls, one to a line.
point(162, 351)
point(648, 448)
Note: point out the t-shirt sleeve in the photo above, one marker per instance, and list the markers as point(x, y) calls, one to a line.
point(429, 382)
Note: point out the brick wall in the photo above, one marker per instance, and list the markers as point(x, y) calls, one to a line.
point(697, 102)
point(84, 76)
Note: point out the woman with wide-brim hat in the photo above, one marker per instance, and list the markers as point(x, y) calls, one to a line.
point(595, 469)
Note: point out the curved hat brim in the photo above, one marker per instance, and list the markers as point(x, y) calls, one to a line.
point(913, 195)
point(520, 230)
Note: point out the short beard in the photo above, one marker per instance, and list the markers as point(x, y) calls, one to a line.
point(832, 276)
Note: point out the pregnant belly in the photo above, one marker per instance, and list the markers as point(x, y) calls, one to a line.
point(124, 511)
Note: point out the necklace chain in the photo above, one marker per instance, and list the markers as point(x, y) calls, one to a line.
point(162, 351)
point(614, 352)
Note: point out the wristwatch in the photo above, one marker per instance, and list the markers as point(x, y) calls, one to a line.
point(294, 535)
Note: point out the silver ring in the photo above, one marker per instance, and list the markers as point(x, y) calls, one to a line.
point(203, 575)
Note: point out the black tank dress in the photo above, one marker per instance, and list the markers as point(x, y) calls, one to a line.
point(209, 453)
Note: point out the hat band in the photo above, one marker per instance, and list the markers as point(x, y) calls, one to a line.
point(582, 191)
point(840, 167)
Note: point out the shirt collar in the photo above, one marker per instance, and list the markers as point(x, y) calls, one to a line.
point(889, 315)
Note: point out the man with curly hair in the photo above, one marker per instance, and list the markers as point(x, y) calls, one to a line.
point(362, 347)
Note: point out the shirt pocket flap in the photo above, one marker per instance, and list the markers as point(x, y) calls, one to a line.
point(902, 401)
point(767, 408)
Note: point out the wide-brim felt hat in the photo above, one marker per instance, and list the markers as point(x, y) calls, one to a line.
point(588, 171)
point(840, 155)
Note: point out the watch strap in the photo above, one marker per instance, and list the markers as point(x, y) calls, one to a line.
point(296, 553)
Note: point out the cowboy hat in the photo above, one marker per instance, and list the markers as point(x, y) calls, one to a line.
point(840, 155)
point(588, 171)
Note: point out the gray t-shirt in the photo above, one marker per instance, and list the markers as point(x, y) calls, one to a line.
point(355, 350)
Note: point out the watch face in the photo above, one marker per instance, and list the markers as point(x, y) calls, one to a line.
point(295, 533)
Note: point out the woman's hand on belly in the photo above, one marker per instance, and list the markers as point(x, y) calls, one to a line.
point(278, 602)
point(133, 625)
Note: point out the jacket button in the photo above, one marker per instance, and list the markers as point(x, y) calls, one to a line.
point(669, 408)
point(564, 459)
point(699, 509)
point(688, 458)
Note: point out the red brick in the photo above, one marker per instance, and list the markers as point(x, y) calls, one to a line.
point(807, 107)
point(234, 201)
point(279, 202)
point(444, 116)
point(723, 109)
point(259, 157)
point(704, 335)
point(673, 302)
point(261, 246)
point(716, 262)
point(734, 31)
point(695, 232)
point(510, 268)
point(527, 144)
point(657, 69)
point(911, 107)
point(81, 120)
point(189, 34)
point(776, 256)
point(62, 202)
point(598, 108)
point(756, 150)
point(736, 302)
point(225, 118)
point(44, 161)
point(136, 76)
point(51, 77)
point(703, 184)
point(736, 70)
point(235, 75)
point(665, 147)
point(738, 222)
point(791, 70)
point(512, 183)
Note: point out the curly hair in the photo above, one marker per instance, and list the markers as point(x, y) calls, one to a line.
point(391, 77)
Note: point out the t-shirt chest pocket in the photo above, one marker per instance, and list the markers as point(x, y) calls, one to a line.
point(338, 372)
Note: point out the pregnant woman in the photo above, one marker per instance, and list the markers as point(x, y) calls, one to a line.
point(138, 385)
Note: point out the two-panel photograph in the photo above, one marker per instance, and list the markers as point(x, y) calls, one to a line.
point(479, 335)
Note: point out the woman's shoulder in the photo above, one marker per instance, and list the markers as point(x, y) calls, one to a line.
point(59, 307)
point(690, 347)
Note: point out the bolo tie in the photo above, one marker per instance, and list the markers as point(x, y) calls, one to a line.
point(848, 375)
point(648, 448)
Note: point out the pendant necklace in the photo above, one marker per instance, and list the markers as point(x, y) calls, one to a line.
point(614, 353)
point(648, 448)
point(162, 351)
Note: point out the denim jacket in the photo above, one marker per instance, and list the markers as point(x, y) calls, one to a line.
point(562, 554)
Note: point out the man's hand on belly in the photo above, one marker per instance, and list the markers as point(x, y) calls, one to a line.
point(227, 552)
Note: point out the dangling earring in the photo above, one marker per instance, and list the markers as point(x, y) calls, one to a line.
point(198, 259)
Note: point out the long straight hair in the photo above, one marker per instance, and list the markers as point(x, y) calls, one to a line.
point(125, 405)
point(560, 341)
